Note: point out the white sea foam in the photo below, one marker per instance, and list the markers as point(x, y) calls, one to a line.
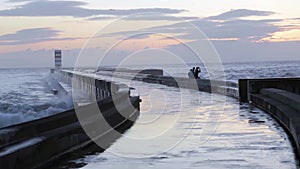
point(30, 96)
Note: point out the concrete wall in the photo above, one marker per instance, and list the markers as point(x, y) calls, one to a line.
point(212, 86)
point(39, 143)
point(283, 106)
point(280, 97)
point(158, 72)
point(254, 85)
point(100, 88)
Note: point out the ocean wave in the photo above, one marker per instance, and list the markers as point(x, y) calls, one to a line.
point(32, 100)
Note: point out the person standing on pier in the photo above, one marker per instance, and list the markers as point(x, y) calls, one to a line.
point(197, 72)
point(194, 73)
point(191, 73)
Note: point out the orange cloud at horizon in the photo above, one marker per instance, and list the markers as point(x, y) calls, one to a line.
point(283, 36)
point(47, 45)
point(132, 44)
point(289, 32)
point(152, 41)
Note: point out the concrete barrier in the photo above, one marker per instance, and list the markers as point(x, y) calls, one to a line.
point(226, 88)
point(283, 106)
point(254, 85)
point(280, 97)
point(158, 72)
point(288, 98)
point(38, 143)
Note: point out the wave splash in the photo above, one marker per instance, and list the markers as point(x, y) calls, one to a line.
point(36, 102)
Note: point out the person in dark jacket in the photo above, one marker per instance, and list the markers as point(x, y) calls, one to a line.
point(191, 73)
point(197, 72)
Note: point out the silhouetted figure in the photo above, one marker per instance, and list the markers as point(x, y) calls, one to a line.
point(191, 73)
point(197, 72)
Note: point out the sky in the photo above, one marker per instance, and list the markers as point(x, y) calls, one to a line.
point(240, 31)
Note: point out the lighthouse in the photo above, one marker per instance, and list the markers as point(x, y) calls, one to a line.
point(57, 59)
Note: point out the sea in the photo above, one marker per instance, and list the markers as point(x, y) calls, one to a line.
point(177, 128)
point(25, 95)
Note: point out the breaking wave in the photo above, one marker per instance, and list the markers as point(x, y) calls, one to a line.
point(32, 99)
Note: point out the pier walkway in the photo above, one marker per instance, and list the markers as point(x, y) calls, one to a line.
point(195, 129)
point(49, 139)
point(278, 96)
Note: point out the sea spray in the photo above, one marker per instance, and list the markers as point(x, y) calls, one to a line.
point(34, 101)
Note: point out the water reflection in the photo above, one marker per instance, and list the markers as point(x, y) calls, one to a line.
point(240, 136)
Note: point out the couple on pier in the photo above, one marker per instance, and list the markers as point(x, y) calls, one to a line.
point(194, 73)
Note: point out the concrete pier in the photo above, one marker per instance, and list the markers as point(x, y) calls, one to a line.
point(278, 96)
point(247, 86)
point(226, 88)
point(39, 143)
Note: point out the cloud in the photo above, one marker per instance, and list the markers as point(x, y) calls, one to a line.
point(238, 29)
point(146, 17)
point(75, 9)
point(20, 0)
point(28, 36)
point(238, 13)
point(162, 17)
point(234, 38)
point(242, 29)
point(101, 18)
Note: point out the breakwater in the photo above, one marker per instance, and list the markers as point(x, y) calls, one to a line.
point(279, 97)
point(226, 88)
point(49, 139)
point(38, 143)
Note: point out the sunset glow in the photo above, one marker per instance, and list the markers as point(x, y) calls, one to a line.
point(68, 25)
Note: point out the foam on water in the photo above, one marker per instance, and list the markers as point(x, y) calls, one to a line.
point(25, 95)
